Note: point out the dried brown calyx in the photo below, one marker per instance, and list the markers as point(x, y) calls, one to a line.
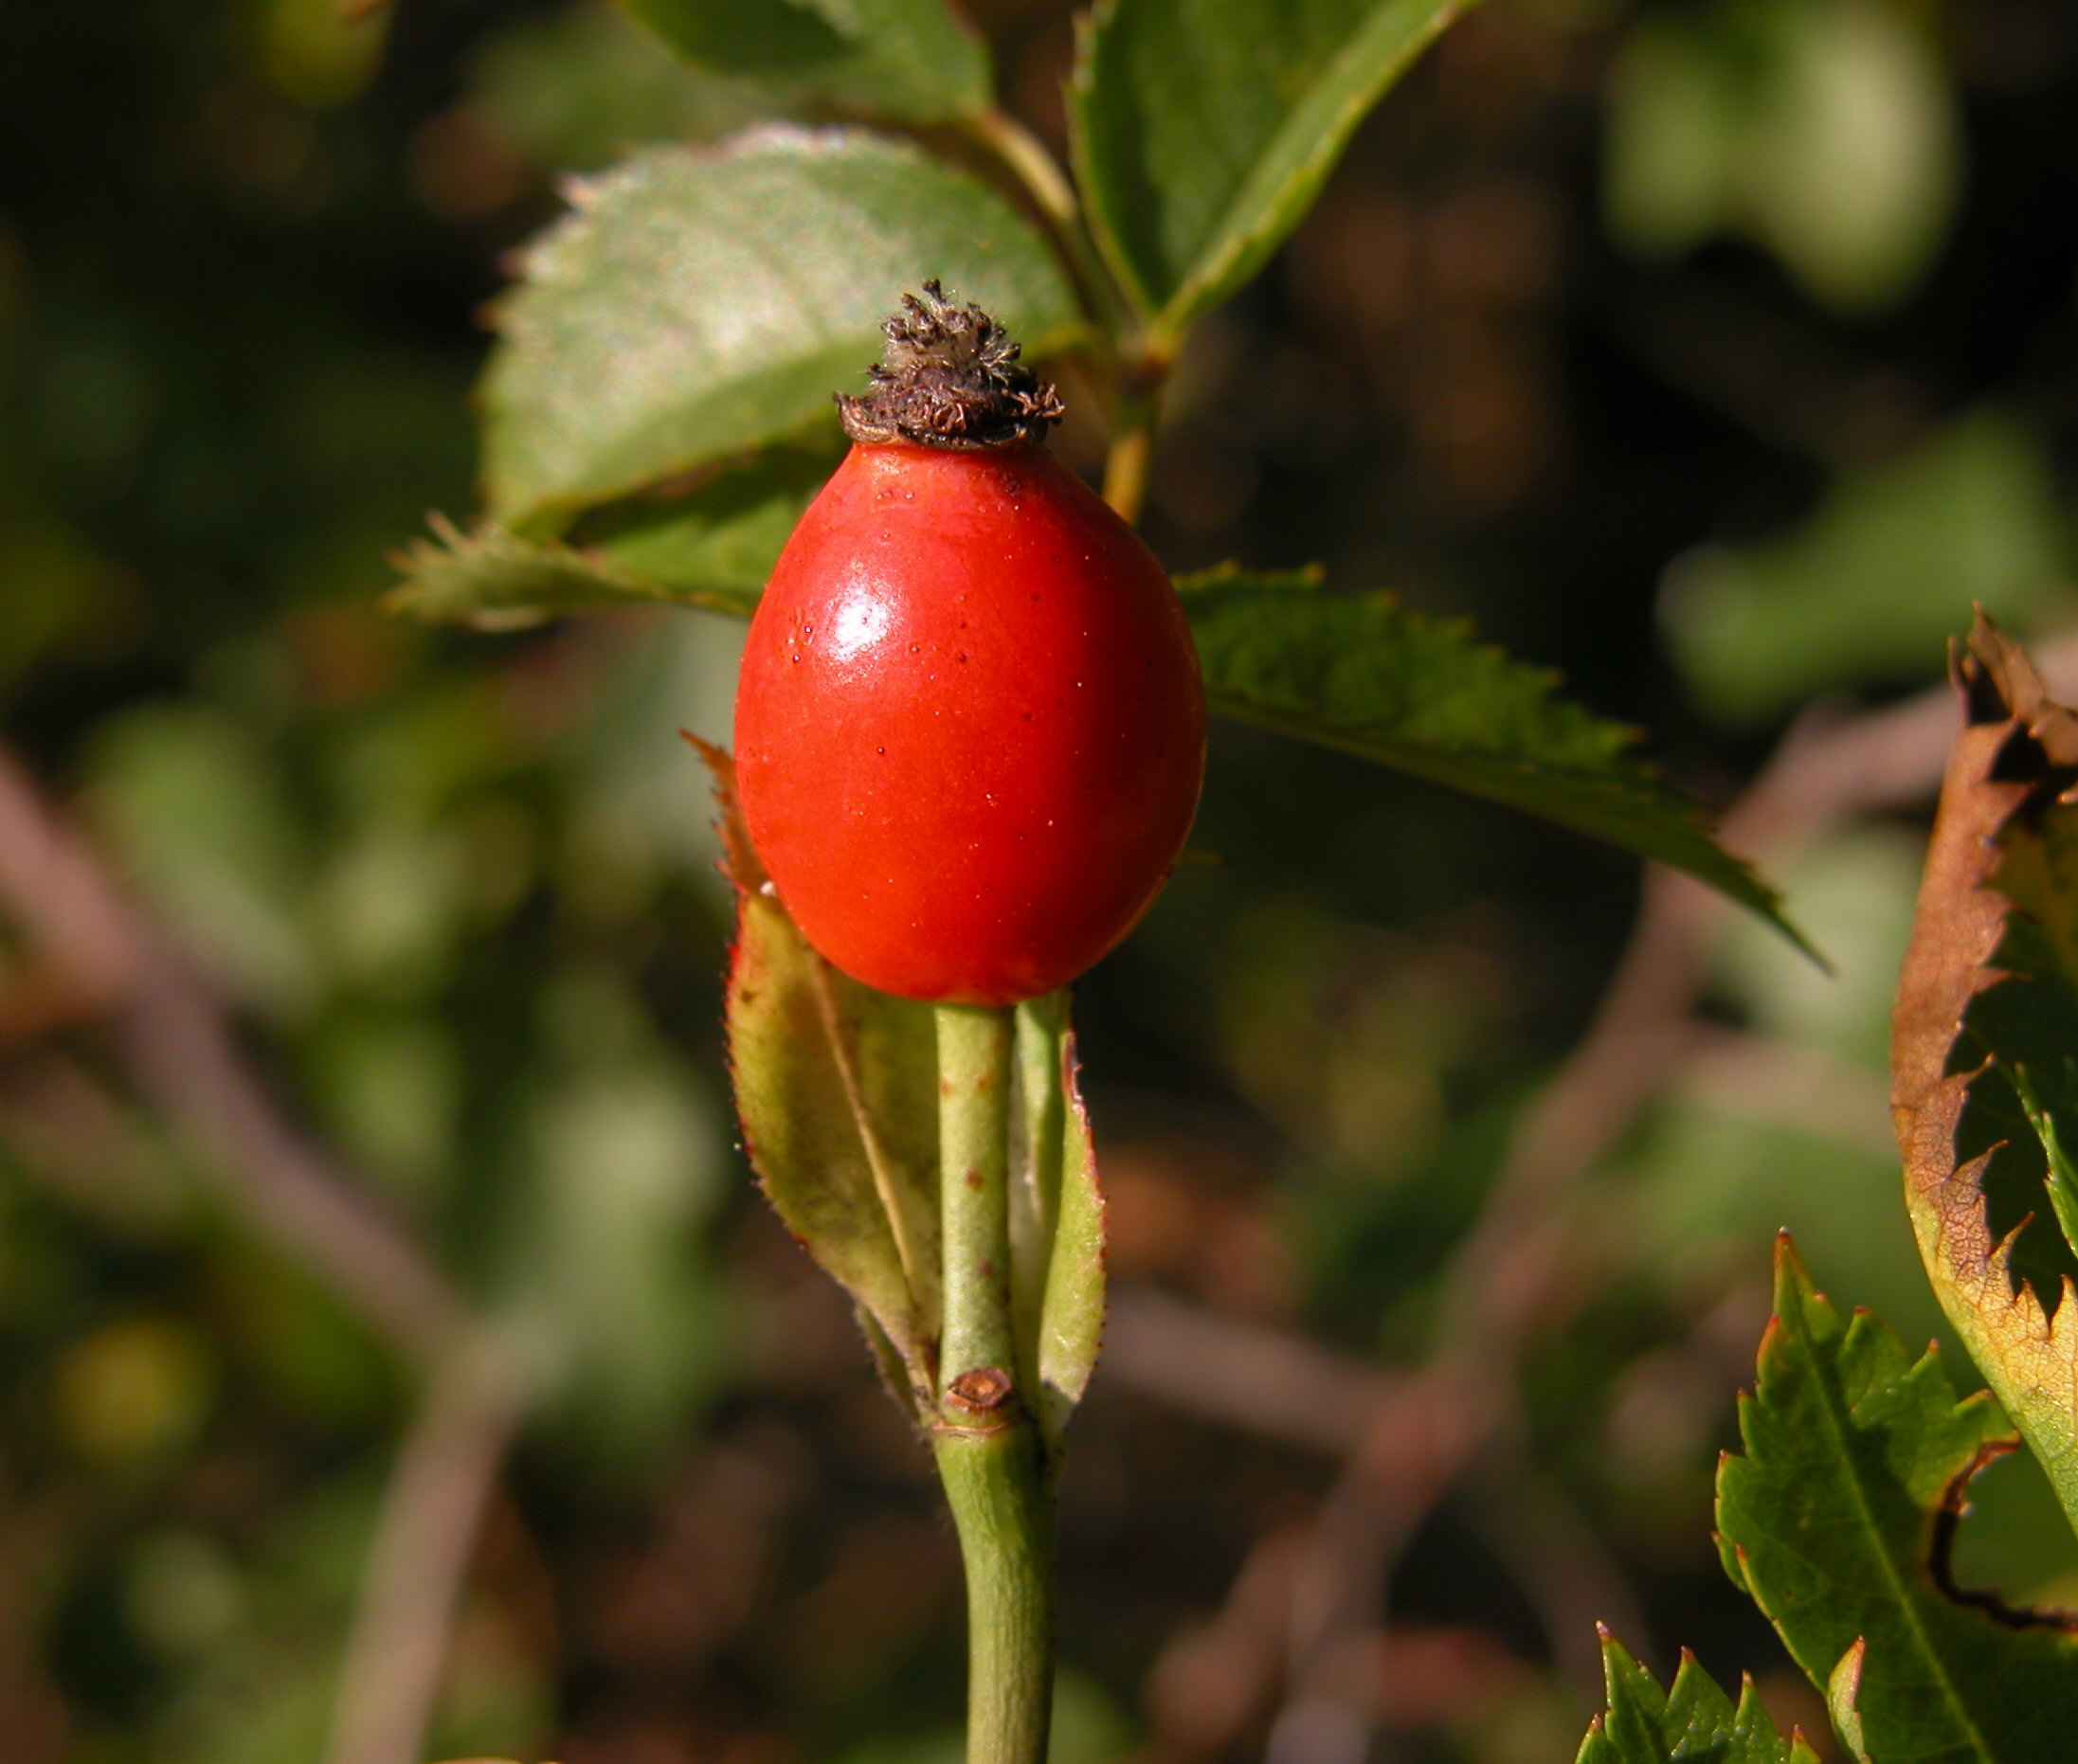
point(950, 378)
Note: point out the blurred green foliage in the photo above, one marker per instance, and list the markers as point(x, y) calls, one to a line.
point(1804, 391)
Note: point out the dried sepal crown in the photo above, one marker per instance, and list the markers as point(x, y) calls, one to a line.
point(950, 378)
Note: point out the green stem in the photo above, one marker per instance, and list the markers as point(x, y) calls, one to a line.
point(1004, 1515)
point(974, 1190)
point(986, 1439)
point(1126, 465)
point(1020, 153)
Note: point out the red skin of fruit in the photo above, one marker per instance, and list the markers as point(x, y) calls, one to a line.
point(971, 730)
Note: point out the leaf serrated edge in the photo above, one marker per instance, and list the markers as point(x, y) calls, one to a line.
point(2029, 1354)
point(1631, 1692)
point(450, 547)
point(1802, 1312)
point(534, 262)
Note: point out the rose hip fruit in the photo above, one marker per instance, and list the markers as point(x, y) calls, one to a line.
point(971, 730)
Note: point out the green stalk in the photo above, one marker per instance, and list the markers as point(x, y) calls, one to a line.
point(1004, 1516)
point(1020, 154)
point(986, 1440)
point(1126, 465)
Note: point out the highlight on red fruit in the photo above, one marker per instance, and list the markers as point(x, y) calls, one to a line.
point(971, 730)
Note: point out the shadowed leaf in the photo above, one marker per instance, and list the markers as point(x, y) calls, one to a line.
point(837, 1088)
point(905, 58)
point(492, 581)
point(1694, 1723)
point(1983, 1090)
point(1362, 673)
point(1853, 1449)
point(712, 547)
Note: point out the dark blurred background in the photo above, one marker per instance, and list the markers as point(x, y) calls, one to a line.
point(1717, 352)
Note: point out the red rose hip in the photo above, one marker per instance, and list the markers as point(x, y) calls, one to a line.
point(970, 731)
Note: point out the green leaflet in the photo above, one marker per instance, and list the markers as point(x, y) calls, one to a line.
point(698, 305)
point(492, 581)
point(1982, 1083)
point(909, 60)
point(712, 547)
point(1694, 1723)
point(1056, 1220)
point(837, 1088)
point(1203, 129)
point(1828, 1519)
point(1362, 673)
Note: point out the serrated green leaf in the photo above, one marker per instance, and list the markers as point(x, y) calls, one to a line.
point(1695, 1724)
point(712, 548)
point(1362, 673)
point(1204, 129)
point(492, 581)
point(836, 1090)
point(1986, 1025)
point(701, 304)
point(1056, 1220)
point(909, 60)
point(1828, 1519)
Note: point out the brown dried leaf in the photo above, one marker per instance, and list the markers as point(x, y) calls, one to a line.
point(1982, 1044)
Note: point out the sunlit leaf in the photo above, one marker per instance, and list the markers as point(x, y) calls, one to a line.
point(1854, 1451)
point(837, 1088)
point(905, 58)
point(1983, 1038)
point(1204, 129)
point(1692, 1723)
point(1362, 673)
point(701, 304)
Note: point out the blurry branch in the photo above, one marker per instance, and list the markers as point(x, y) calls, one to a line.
point(1750, 1077)
point(96, 947)
point(1557, 1559)
point(1528, 1263)
point(1761, 371)
point(1261, 1379)
point(432, 1513)
point(85, 1143)
point(179, 1048)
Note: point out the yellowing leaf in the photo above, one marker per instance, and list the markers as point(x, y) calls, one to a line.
point(1986, 1027)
